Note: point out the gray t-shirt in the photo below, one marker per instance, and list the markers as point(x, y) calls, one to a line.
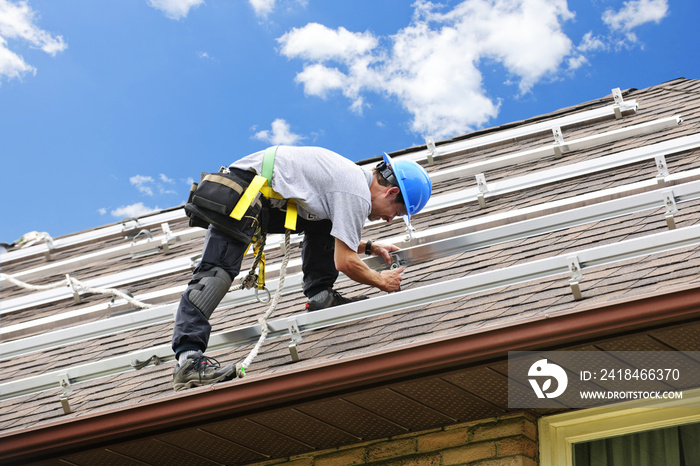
point(325, 185)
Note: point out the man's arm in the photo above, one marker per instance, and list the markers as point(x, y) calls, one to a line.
point(348, 262)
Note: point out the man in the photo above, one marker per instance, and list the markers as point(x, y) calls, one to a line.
point(334, 197)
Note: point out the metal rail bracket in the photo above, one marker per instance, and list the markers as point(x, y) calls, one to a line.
point(295, 334)
point(617, 95)
point(558, 141)
point(430, 145)
point(64, 383)
point(576, 277)
point(483, 189)
point(662, 168)
point(671, 208)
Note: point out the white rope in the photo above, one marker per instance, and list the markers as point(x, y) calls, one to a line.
point(240, 369)
point(27, 286)
point(77, 285)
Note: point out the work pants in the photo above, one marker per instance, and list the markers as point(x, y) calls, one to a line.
point(192, 329)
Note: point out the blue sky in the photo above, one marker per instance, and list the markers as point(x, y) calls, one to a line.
point(109, 108)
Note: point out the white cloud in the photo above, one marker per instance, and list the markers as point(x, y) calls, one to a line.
point(635, 13)
point(279, 134)
point(175, 9)
point(133, 210)
point(432, 65)
point(102, 211)
point(591, 43)
point(262, 7)
point(205, 56)
point(165, 179)
point(148, 186)
point(318, 79)
point(319, 43)
point(17, 23)
point(143, 184)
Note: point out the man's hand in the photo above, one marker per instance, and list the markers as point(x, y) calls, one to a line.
point(348, 262)
point(392, 280)
point(384, 250)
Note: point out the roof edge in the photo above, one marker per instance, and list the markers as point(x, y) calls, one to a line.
point(305, 384)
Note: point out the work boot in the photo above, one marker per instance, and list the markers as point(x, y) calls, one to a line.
point(200, 370)
point(329, 298)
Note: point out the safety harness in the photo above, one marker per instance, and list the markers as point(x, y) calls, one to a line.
point(231, 201)
point(262, 184)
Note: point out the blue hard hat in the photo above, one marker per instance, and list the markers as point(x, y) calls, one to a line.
point(414, 183)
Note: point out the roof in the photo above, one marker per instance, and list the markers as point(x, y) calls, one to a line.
point(585, 237)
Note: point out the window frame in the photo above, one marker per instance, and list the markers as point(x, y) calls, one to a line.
point(559, 432)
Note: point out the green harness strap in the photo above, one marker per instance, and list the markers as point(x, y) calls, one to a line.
point(268, 163)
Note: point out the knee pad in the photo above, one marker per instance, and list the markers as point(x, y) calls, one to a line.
point(208, 289)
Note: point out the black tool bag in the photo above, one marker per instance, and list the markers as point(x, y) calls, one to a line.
point(214, 197)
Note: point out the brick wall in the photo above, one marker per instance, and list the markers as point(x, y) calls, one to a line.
point(509, 440)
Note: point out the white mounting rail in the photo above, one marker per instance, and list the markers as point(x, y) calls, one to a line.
point(146, 317)
point(439, 202)
point(419, 296)
point(521, 131)
point(435, 243)
point(556, 149)
point(162, 242)
point(608, 162)
point(76, 263)
point(89, 236)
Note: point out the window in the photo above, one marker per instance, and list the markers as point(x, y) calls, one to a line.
point(670, 446)
point(561, 434)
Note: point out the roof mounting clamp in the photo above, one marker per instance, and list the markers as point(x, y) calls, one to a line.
point(129, 224)
point(137, 246)
point(558, 141)
point(430, 145)
point(295, 334)
point(64, 383)
point(576, 276)
point(75, 288)
point(483, 189)
point(168, 235)
point(671, 208)
point(662, 168)
point(409, 233)
point(48, 240)
point(619, 101)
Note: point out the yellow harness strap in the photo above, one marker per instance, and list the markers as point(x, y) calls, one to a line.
point(247, 197)
point(290, 220)
point(263, 185)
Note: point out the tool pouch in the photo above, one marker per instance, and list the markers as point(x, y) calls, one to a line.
point(212, 199)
